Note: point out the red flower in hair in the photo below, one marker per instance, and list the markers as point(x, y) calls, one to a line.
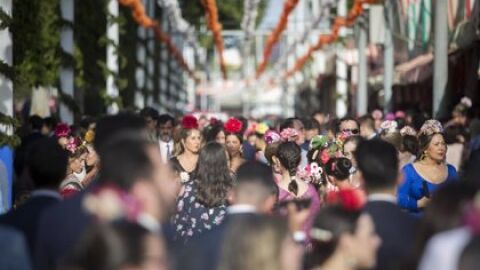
point(214, 121)
point(62, 130)
point(324, 156)
point(189, 122)
point(233, 126)
point(349, 199)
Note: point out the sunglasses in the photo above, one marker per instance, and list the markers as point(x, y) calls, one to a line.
point(353, 131)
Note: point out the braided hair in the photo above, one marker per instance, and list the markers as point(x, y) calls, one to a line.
point(289, 155)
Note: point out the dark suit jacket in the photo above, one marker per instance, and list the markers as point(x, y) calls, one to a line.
point(26, 217)
point(204, 251)
point(13, 249)
point(397, 230)
point(62, 226)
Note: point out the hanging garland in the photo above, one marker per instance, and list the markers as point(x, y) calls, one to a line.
point(325, 13)
point(138, 14)
point(323, 40)
point(288, 7)
point(213, 24)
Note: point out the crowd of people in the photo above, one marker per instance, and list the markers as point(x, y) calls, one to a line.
point(150, 191)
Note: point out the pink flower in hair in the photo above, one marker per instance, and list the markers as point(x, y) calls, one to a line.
point(272, 136)
point(72, 145)
point(390, 116)
point(389, 126)
point(400, 114)
point(289, 134)
point(431, 127)
point(62, 130)
point(408, 130)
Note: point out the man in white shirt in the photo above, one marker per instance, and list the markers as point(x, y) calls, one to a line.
point(166, 124)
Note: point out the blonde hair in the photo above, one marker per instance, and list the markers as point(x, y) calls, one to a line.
point(253, 243)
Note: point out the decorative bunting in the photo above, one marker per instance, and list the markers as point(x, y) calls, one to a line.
point(216, 28)
point(288, 7)
point(138, 14)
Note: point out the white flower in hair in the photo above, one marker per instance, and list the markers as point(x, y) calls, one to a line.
point(184, 177)
point(408, 130)
point(431, 127)
point(466, 101)
point(389, 126)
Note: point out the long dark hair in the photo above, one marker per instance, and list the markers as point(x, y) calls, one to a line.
point(212, 175)
point(289, 155)
point(210, 134)
point(332, 221)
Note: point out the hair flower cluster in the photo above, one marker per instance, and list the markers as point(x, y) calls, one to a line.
point(408, 130)
point(289, 134)
point(62, 130)
point(389, 126)
point(348, 199)
point(431, 127)
point(272, 136)
point(233, 125)
point(189, 122)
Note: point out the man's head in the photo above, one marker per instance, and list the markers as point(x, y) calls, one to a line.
point(36, 123)
point(151, 118)
point(312, 128)
point(49, 124)
point(296, 124)
point(133, 164)
point(348, 124)
point(367, 126)
point(378, 163)
point(47, 163)
point(255, 186)
point(111, 126)
point(321, 117)
point(166, 125)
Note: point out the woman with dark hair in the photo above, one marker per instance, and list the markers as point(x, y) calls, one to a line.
point(338, 172)
point(290, 188)
point(215, 133)
point(187, 145)
point(349, 148)
point(121, 245)
point(233, 142)
point(343, 237)
point(202, 202)
point(428, 172)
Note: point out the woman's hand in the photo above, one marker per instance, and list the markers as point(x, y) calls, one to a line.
point(423, 202)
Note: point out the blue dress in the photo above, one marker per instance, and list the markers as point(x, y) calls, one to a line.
point(414, 187)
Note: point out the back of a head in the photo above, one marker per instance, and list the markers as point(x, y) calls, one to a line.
point(338, 168)
point(125, 160)
point(35, 122)
point(149, 112)
point(109, 246)
point(213, 175)
point(255, 178)
point(311, 124)
point(289, 155)
point(395, 139)
point(111, 126)
point(378, 163)
point(254, 242)
point(47, 163)
point(335, 221)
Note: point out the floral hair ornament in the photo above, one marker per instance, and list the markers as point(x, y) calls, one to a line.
point(321, 235)
point(261, 128)
point(466, 101)
point(400, 114)
point(289, 135)
point(348, 199)
point(389, 126)
point(72, 144)
point(89, 136)
point(109, 203)
point(214, 121)
point(408, 130)
point(62, 130)
point(318, 142)
point(390, 116)
point(233, 125)
point(311, 172)
point(189, 122)
point(431, 127)
point(272, 136)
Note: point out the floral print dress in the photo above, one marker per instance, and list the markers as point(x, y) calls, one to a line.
point(192, 217)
